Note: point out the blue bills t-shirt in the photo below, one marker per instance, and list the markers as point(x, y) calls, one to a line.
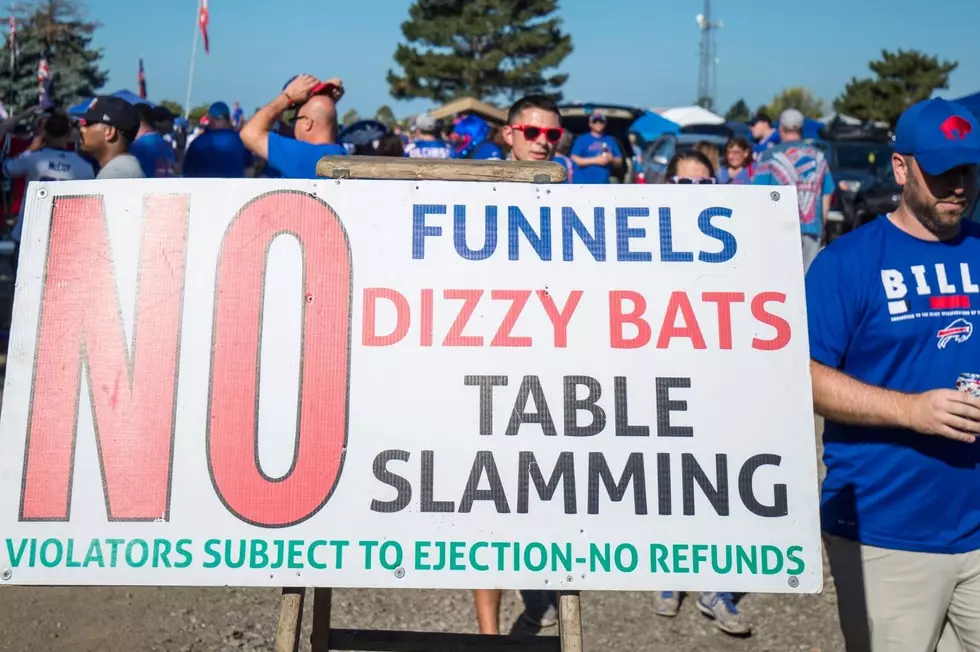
point(428, 149)
point(900, 313)
point(589, 146)
point(155, 154)
point(218, 154)
point(295, 159)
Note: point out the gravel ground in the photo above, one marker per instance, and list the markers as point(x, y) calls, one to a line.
point(219, 620)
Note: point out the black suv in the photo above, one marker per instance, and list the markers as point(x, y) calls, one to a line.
point(859, 157)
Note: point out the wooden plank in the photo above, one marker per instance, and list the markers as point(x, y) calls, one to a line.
point(570, 621)
point(383, 167)
point(365, 640)
point(320, 639)
point(290, 619)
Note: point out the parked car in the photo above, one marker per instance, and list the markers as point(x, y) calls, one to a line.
point(575, 118)
point(862, 171)
point(659, 152)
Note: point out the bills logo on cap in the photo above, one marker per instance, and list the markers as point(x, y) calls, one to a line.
point(956, 128)
point(959, 331)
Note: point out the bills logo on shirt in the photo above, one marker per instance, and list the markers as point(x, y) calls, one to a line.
point(959, 331)
point(943, 287)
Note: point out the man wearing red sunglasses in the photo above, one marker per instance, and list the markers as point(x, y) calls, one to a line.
point(533, 129)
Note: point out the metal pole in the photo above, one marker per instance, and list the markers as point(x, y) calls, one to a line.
point(190, 75)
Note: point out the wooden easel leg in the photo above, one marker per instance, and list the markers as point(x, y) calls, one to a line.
point(320, 638)
point(570, 621)
point(290, 619)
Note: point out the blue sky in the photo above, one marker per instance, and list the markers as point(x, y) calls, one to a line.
point(637, 52)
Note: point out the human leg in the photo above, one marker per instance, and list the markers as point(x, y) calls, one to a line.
point(890, 600)
point(487, 610)
point(964, 608)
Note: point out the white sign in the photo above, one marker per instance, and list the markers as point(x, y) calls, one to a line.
point(399, 384)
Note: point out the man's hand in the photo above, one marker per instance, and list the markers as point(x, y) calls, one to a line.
point(335, 88)
point(945, 412)
point(300, 89)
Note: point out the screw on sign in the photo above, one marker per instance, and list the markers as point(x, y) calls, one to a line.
point(134, 395)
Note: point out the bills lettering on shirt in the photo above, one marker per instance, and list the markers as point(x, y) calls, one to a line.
point(939, 289)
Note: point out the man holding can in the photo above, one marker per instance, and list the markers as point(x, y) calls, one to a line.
point(892, 309)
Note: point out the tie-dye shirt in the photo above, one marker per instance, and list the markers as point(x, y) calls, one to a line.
point(805, 167)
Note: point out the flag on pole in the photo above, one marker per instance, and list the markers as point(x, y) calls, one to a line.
point(12, 43)
point(203, 20)
point(44, 99)
point(141, 79)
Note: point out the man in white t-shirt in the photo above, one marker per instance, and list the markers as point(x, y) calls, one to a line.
point(53, 162)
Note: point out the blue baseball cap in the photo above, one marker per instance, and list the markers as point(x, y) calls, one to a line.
point(220, 111)
point(940, 134)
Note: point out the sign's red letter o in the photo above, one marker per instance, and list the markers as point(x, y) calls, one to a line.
point(321, 429)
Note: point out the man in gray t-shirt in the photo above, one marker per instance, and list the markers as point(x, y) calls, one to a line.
point(124, 166)
point(109, 127)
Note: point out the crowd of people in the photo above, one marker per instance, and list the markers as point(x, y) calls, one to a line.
point(889, 310)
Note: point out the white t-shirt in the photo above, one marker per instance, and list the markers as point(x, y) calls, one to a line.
point(45, 165)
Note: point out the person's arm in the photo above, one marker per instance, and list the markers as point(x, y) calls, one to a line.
point(944, 412)
point(19, 166)
point(255, 133)
point(615, 153)
point(828, 192)
point(7, 125)
point(578, 150)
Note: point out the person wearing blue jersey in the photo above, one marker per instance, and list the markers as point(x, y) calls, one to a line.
point(428, 142)
point(218, 153)
point(471, 139)
point(595, 153)
point(892, 309)
point(763, 133)
point(155, 154)
point(314, 127)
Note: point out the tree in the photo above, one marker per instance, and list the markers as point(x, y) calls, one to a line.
point(739, 112)
point(385, 115)
point(797, 98)
point(58, 29)
point(350, 117)
point(901, 79)
point(482, 48)
point(197, 112)
point(174, 107)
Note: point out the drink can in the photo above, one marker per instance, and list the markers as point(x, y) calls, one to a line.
point(969, 383)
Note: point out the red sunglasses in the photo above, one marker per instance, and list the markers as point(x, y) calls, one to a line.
point(553, 134)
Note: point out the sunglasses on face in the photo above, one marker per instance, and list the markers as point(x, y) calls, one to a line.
point(552, 134)
point(683, 181)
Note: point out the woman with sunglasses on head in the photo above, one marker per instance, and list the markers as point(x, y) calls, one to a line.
point(694, 168)
point(690, 168)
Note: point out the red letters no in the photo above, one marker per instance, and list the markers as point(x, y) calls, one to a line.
point(322, 422)
point(132, 394)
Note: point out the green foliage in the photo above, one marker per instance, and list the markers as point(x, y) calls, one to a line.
point(174, 107)
point(739, 112)
point(58, 28)
point(197, 112)
point(350, 117)
point(901, 79)
point(797, 98)
point(385, 115)
point(481, 48)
